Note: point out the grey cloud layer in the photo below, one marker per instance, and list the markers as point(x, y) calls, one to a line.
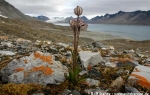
point(65, 7)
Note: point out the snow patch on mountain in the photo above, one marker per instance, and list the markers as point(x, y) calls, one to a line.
point(2, 15)
point(55, 19)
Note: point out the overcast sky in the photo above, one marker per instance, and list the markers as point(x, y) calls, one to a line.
point(91, 8)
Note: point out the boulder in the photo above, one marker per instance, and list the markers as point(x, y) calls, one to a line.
point(38, 68)
point(89, 58)
point(140, 76)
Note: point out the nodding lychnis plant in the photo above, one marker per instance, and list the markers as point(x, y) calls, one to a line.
point(76, 25)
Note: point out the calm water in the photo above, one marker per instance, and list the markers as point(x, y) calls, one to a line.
point(135, 32)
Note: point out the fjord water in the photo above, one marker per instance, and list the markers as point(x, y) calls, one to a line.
point(135, 32)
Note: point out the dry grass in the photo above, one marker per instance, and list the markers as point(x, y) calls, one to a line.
point(36, 30)
point(124, 44)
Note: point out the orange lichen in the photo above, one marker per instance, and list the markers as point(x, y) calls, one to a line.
point(48, 71)
point(45, 70)
point(89, 67)
point(124, 60)
point(43, 58)
point(4, 37)
point(37, 55)
point(113, 59)
point(19, 69)
point(142, 81)
point(40, 68)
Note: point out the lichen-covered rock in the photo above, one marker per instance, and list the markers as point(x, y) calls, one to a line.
point(37, 68)
point(140, 76)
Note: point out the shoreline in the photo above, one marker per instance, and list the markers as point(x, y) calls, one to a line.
point(99, 36)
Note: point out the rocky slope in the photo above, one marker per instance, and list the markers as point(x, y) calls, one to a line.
point(10, 11)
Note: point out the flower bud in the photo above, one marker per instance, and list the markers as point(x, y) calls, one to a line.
point(82, 24)
point(73, 23)
point(78, 10)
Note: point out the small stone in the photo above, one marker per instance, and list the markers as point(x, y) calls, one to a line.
point(98, 45)
point(75, 92)
point(7, 53)
point(93, 73)
point(129, 89)
point(148, 59)
point(110, 64)
point(83, 72)
point(63, 44)
point(117, 84)
point(92, 82)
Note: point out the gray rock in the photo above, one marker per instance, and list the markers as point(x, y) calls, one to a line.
point(98, 45)
point(110, 64)
point(93, 73)
point(129, 89)
point(7, 53)
point(63, 44)
point(35, 69)
point(75, 92)
point(148, 59)
point(16, 77)
point(92, 82)
point(83, 72)
point(89, 58)
point(96, 91)
point(128, 63)
point(53, 50)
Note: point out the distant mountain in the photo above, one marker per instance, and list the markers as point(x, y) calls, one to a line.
point(8, 10)
point(66, 20)
point(136, 17)
point(42, 18)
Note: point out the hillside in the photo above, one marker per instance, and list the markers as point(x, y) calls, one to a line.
point(10, 11)
point(36, 30)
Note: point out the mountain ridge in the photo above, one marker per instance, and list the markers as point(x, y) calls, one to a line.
point(42, 18)
point(136, 17)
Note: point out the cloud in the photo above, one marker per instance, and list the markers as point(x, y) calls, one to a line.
point(59, 8)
